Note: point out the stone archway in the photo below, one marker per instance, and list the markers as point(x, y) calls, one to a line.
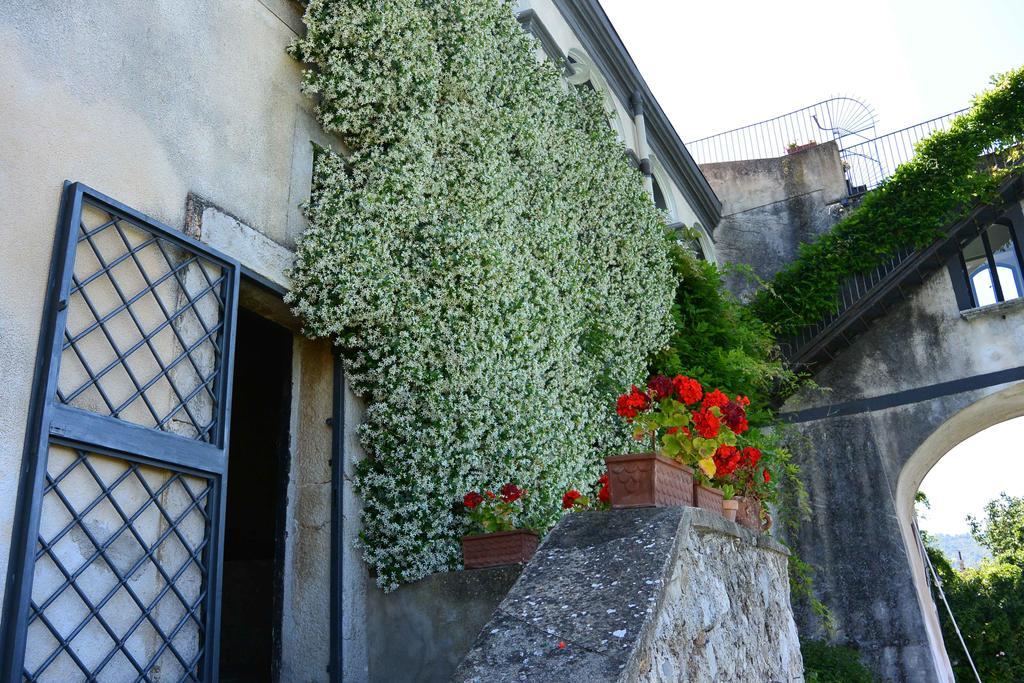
point(975, 418)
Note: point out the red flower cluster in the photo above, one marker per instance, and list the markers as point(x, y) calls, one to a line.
point(706, 424)
point(660, 387)
point(735, 417)
point(714, 399)
point(569, 499)
point(742, 400)
point(751, 456)
point(472, 499)
point(687, 389)
point(629, 405)
point(605, 494)
point(727, 459)
point(767, 477)
point(673, 430)
point(511, 493)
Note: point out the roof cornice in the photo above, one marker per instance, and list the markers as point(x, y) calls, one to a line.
point(599, 38)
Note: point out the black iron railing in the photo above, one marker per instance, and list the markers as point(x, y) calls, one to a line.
point(853, 290)
point(868, 158)
point(868, 163)
point(843, 119)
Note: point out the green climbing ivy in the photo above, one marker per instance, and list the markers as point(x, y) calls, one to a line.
point(909, 209)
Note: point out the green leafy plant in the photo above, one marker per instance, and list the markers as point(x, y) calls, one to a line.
point(988, 602)
point(828, 663)
point(502, 511)
point(944, 179)
point(1001, 530)
point(484, 256)
point(718, 341)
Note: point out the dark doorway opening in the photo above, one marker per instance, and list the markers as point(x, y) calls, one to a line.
point(258, 461)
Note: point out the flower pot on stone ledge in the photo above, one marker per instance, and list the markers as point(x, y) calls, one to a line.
point(648, 480)
point(707, 497)
point(749, 512)
point(729, 508)
point(498, 548)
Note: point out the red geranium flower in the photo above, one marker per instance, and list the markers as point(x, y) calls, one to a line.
point(750, 456)
point(472, 499)
point(742, 400)
point(687, 389)
point(660, 387)
point(569, 499)
point(706, 424)
point(628, 405)
point(605, 494)
point(767, 476)
point(727, 459)
point(735, 417)
point(714, 399)
point(511, 493)
point(603, 479)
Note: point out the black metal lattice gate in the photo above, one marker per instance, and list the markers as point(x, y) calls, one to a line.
point(116, 554)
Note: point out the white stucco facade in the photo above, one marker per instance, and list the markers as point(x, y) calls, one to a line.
point(190, 112)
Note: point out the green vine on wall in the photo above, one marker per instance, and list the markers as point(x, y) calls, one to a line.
point(909, 209)
point(485, 257)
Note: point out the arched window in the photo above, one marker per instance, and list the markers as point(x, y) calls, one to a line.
point(582, 73)
point(659, 196)
point(995, 250)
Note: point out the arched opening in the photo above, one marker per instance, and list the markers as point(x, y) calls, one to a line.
point(992, 410)
point(582, 73)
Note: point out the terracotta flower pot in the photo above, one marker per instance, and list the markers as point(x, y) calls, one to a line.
point(729, 508)
point(749, 513)
point(498, 548)
point(648, 480)
point(707, 497)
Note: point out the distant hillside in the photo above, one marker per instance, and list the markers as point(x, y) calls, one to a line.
point(949, 544)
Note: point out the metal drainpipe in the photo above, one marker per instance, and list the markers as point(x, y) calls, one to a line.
point(642, 151)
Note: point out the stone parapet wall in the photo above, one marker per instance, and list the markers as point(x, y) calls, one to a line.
point(670, 594)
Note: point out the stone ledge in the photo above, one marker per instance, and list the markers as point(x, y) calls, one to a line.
point(709, 522)
point(639, 595)
point(1001, 308)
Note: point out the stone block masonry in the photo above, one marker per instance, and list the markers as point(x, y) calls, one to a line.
point(666, 594)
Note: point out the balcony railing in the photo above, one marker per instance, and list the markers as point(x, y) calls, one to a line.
point(868, 163)
point(867, 296)
point(868, 158)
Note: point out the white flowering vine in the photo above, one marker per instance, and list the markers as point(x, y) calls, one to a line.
point(484, 255)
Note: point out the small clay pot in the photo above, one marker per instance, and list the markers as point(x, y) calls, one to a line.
point(498, 548)
point(642, 480)
point(729, 509)
point(707, 497)
point(749, 513)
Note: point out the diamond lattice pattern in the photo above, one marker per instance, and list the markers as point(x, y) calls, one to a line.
point(144, 334)
point(119, 589)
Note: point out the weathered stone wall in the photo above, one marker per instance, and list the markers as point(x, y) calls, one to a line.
point(421, 631)
point(771, 206)
point(673, 594)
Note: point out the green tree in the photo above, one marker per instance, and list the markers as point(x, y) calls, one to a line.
point(988, 602)
point(1002, 530)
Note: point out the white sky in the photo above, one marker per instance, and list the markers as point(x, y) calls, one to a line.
point(719, 64)
point(973, 473)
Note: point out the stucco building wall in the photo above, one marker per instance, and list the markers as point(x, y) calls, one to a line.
point(863, 469)
point(771, 206)
point(190, 111)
